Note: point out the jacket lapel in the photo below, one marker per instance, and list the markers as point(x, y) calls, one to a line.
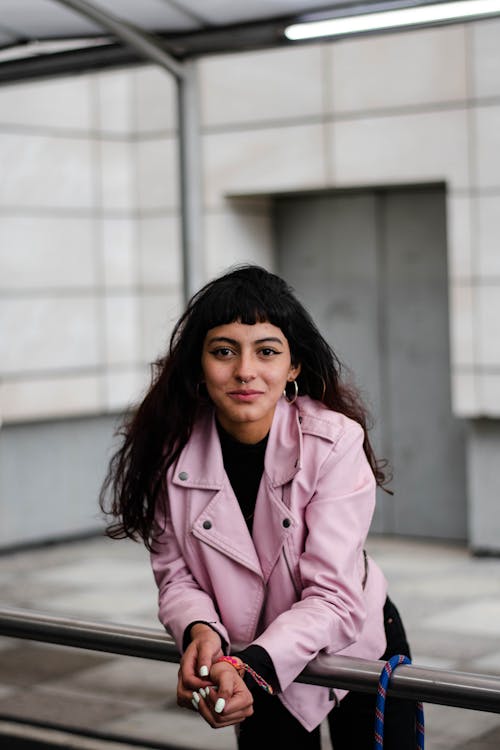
point(214, 516)
point(273, 521)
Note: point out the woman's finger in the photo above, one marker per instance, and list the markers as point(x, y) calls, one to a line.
point(229, 716)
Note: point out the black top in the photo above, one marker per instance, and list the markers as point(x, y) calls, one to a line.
point(244, 465)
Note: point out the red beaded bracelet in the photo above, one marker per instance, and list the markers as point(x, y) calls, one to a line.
point(241, 667)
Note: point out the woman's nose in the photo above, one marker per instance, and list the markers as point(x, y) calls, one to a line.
point(244, 371)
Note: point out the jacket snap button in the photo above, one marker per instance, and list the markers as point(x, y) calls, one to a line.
point(286, 523)
point(207, 524)
point(183, 475)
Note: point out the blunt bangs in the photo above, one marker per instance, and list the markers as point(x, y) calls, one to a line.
point(239, 297)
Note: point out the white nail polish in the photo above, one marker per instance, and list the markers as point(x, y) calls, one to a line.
point(203, 693)
point(203, 671)
point(195, 705)
point(196, 697)
point(219, 705)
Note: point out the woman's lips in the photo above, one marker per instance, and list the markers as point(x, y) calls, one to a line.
point(244, 395)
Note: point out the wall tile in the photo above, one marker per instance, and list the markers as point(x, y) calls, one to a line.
point(487, 146)
point(46, 172)
point(463, 324)
point(160, 261)
point(157, 173)
point(464, 394)
point(263, 161)
point(117, 176)
point(424, 147)
point(485, 62)
point(488, 305)
point(459, 234)
point(488, 236)
point(273, 84)
point(122, 328)
point(38, 252)
point(118, 237)
point(397, 70)
point(160, 312)
point(155, 99)
point(56, 103)
point(237, 237)
point(114, 98)
point(50, 333)
point(49, 397)
point(125, 387)
point(489, 393)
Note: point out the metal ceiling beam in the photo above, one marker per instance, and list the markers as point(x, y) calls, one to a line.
point(190, 181)
point(144, 43)
point(180, 47)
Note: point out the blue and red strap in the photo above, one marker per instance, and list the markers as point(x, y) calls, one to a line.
point(385, 676)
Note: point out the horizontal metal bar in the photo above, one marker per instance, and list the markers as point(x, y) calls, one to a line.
point(473, 691)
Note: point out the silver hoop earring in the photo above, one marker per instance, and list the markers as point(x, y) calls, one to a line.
point(293, 399)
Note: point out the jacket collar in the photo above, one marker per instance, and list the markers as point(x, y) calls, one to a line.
point(200, 463)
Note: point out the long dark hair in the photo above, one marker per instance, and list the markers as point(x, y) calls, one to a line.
point(154, 435)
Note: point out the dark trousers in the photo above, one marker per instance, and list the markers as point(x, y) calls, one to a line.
point(351, 723)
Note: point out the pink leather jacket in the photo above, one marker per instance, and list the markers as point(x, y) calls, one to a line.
point(298, 585)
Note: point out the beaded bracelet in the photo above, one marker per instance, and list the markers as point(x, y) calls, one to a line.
point(240, 667)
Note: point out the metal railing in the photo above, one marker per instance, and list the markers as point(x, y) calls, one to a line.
point(473, 691)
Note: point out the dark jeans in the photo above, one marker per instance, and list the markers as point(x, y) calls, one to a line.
point(272, 727)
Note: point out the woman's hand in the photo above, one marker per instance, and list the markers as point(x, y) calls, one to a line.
point(205, 647)
point(228, 702)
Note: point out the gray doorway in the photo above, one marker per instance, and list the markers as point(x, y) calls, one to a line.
point(371, 268)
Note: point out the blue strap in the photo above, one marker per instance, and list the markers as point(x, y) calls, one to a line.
point(385, 676)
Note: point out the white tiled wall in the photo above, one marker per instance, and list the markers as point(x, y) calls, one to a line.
point(117, 176)
point(27, 399)
point(273, 85)
point(398, 70)
point(81, 158)
point(113, 103)
point(459, 211)
point(485, 59)
point(48, 333)
point(242, 235)
point(63, 103)
point(404, 148)
point(90, 263)
point(39, 171)
point(157, 174)
point(160, 261)
point(487, 262)
point(46, 252)
point(154, 101)
point(263, 161)
point(119, 252)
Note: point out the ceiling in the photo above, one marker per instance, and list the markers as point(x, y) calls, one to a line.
point(47, 37)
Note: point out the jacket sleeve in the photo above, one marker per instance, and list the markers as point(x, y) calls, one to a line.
point(181, 601)
point(330, 613)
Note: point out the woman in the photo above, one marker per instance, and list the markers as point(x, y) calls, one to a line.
point(248, 472)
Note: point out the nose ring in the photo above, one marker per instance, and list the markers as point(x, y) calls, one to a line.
point(243, 382)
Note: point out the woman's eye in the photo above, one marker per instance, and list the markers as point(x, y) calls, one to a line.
point(267, 352)
point(223, 352)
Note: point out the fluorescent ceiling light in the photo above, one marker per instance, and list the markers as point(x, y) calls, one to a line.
point(415, 16)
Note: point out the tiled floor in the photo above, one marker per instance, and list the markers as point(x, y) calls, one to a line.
point(450, 603)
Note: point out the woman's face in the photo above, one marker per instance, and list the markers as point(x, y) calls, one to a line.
point(245, 369)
